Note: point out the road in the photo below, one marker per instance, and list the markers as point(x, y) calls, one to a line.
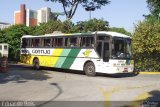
point(58, 88)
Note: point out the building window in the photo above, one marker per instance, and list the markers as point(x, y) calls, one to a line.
point(5, 48)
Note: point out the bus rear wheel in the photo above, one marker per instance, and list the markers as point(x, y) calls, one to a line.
point(90, 69)
point(36, 64)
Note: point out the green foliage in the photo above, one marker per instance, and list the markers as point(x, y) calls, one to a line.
point(91, 25)
point(71, 6)
point(120, 30)
point(67, 26)
point(12, 36)
point(48, 27)
point(154, 7)
point(146, 46)
point(2, 37)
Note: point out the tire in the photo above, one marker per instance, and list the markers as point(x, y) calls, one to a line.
point(36, 65)
point(90, 69)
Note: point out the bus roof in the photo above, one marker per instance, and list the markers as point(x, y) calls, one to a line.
point(113, 34)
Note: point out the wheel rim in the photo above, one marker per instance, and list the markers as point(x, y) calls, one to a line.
point(36, 64)
point(90, 69)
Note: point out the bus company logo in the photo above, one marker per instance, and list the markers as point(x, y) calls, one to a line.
point(87, 53)
point(25, 51)
point(39, 51)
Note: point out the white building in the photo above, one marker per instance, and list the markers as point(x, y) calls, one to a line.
point(4, 25)
point(32, 17)
point(44, 15)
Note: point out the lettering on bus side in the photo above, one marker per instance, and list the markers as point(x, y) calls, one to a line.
point(25, 51)
point(40, 51)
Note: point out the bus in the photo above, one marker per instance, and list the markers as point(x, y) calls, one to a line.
point(93, 52)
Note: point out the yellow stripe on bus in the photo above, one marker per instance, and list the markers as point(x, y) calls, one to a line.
point(56, 54)
point(67, 34)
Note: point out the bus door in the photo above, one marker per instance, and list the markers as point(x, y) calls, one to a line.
point(103, 50)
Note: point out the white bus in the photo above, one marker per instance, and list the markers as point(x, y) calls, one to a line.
point(101, 51)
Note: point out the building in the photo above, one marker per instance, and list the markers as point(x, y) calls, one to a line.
point(4, 25)
point(20, 16)
point(44, 15)
point(32, 17)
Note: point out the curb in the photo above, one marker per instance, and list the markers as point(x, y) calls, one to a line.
point(149, 73)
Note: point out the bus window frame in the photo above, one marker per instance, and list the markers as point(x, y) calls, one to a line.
point(53, 38)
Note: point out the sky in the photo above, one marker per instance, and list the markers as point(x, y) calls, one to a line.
point(119, 13)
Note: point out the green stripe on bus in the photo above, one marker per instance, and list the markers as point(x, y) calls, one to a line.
point(70, 58)
point(62, 58)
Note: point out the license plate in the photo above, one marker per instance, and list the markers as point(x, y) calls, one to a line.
point(125, 70)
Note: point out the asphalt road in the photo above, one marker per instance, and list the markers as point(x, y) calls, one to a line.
point(58, 88)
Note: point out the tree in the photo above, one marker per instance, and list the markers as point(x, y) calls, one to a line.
point(91, 25)
point(49, 27)
point(120, 30)
point(154, 7)
point(2, 36)
point(12, 37)
point(146, 42)
point(70, 6)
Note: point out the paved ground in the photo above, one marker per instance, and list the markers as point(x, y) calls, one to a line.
point(71, 88)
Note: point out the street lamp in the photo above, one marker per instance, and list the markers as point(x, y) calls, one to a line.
point(91, 8)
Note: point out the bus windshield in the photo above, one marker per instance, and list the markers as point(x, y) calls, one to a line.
point(121, 48)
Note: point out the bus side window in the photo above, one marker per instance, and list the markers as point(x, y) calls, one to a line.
point(79, 41)
point(35, 42)
point(83, 42)
point(106, 52)
point(60, 42)
point(24, 43)
point(57, 42)
point(66, 42)
point(53, 42)
point(47, 42)
point(87, 42)
point(73, 42)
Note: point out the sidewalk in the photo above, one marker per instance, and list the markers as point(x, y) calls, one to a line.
point(150, 73)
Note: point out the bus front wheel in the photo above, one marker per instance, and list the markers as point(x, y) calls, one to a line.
point(90, 69)
point(36, 64)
